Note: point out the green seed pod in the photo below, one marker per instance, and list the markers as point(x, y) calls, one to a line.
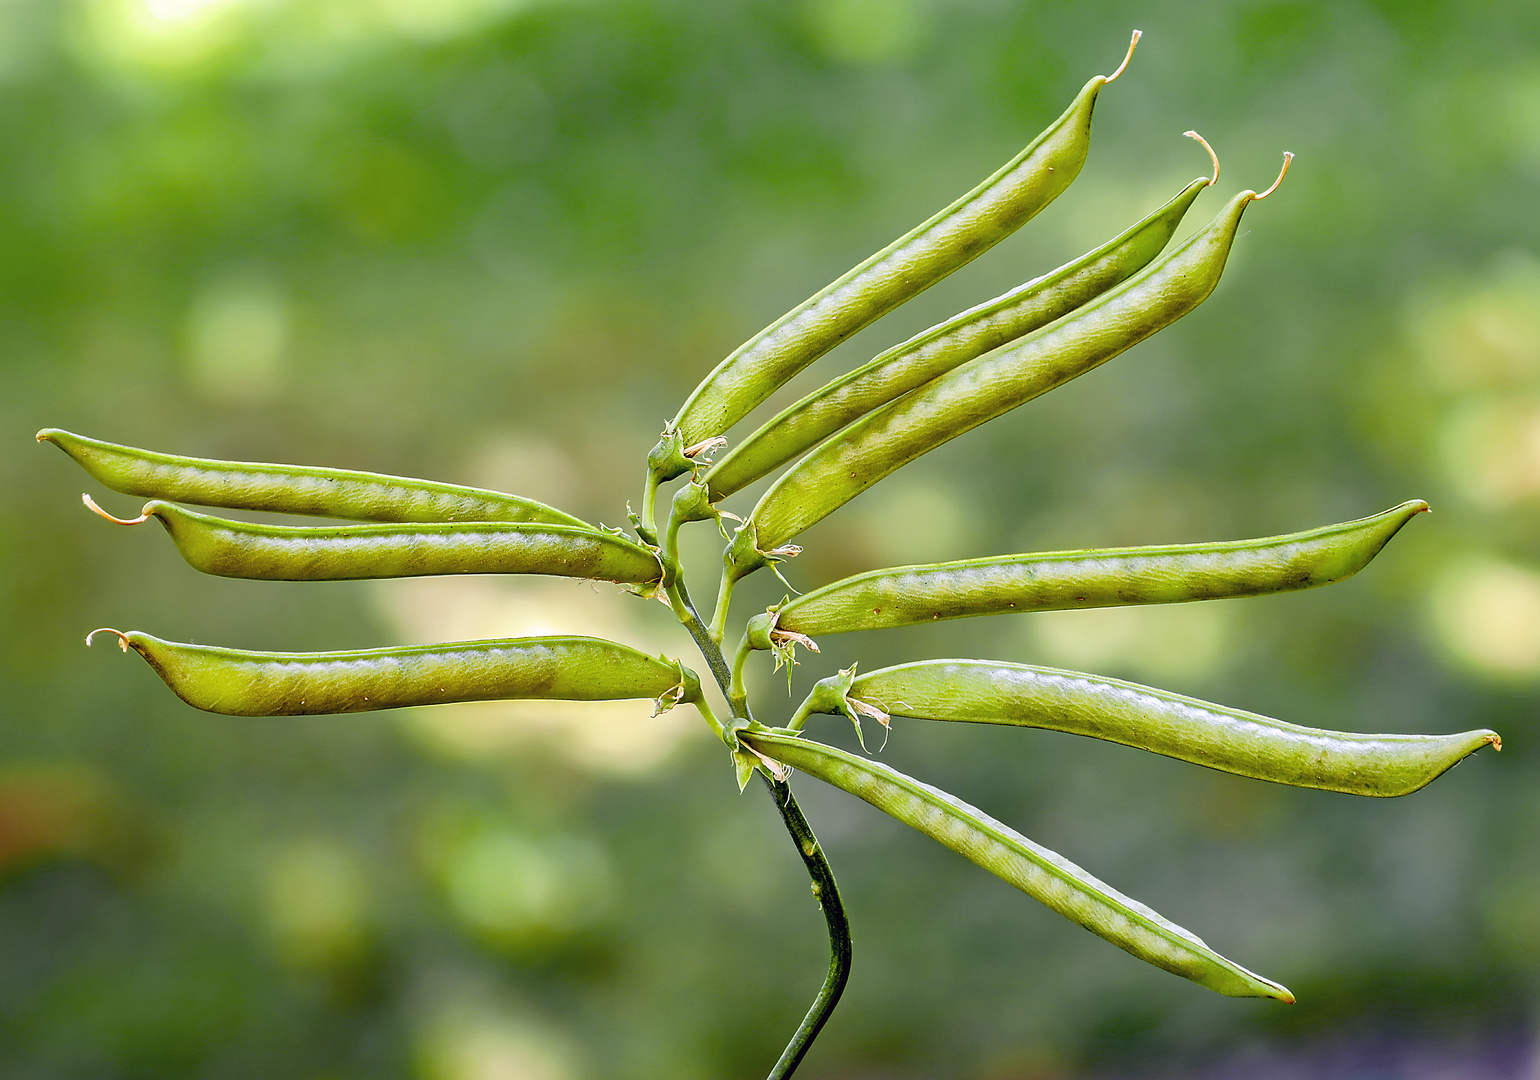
point(952, 238)
point(238, 682)
point(1048, 581)
point(884, 441)
point(1043, 875)
point(1230, 740)
point(946, 345)
point(293, 489)
point(242, 549)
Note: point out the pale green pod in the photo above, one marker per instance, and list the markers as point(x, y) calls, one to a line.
point(946, 345)
point(1230, 740)
point(242, 549)
point(883, 441)
point(949, 240)
point(1046, 581)
point(238, 682)
point(293, 489)
point(1042, 874)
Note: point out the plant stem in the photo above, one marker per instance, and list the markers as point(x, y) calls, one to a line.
point(736, 694)
point(824, 887)
point(724, 599)
point(649, 499)
point(679, 598)
point(827, 894)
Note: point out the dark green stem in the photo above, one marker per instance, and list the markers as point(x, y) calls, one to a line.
point(703, 640)
point(824, 887)
point(828, 896)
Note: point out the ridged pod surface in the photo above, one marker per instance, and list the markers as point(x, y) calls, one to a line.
point(941, 348)
point(1230, 740)
point(1042, 874)
point(887, 439)
point(292, 489)
point(912, 263)
point(238, 682)
point(1046, 581)
point(241, 549)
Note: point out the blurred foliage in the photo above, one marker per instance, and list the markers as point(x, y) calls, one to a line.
point(496, 242)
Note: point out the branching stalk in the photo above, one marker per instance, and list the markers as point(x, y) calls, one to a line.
point(730, 681)
point(724, 599)
point(737, 694)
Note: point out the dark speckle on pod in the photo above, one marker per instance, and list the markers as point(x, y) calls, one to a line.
point(1042, 874)
point(906, 267)
point(243, 549)
point(292, 489)
point(1230, 740)
point(1045, 581)
point(238, 682)
point(946, 345)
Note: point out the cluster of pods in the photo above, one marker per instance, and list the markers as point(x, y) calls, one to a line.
point(832, 445)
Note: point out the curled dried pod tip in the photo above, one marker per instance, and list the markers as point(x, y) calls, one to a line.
point(1212, 156)
point(144, 515)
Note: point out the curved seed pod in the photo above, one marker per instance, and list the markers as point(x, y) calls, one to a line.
point(1048, 581)
point(941, 348)
point(293, 489)
point(242, 549)
point(952, 238)
point(881, 442)
point(1230, 740)
point(1043, 875)
point(238, 682)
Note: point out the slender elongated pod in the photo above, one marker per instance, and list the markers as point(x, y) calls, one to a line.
point(912, 263)
point(292, 489)
point(1045, 581)
point(1043, 875)
point(238, 682)
point(242, 549)
point(945, 345)
point(1230, 740)
point(885, 440)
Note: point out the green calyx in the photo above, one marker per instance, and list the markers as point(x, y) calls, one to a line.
point(666, 460)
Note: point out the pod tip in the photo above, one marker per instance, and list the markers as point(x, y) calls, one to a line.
point(1126, 58)
point(46, 435)
point(97, 510)
point(1288, 157)
point(1212, 156)
point(1495, 741)
point(122, 637)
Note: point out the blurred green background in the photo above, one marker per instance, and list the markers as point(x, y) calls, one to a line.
point(496, 242)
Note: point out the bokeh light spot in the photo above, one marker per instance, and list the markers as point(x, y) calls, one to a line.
point(1159, 641)
point(1487, 616)
point(237, 331)
point(480, 1042)
point(316, 898)
point(868, 31)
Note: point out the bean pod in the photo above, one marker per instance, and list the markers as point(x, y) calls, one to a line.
point(1042, 874)
point(293, 489)
point(941, 348)
point(242, 549)
point(885, 440)
point(1046, 581)
point(238, 682)
point(952, 238)
point(1230, 740)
